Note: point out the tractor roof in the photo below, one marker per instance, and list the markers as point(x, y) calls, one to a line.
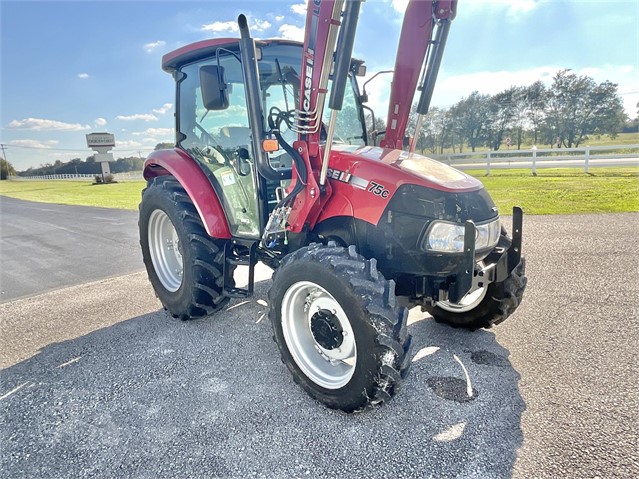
point(206, 48)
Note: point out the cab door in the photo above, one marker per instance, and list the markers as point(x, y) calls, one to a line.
point(220, 141)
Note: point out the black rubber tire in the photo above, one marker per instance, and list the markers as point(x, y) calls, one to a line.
point(501, 300)
point(378, 323)
point(200, 292)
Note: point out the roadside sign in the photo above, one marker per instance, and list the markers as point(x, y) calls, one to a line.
point(100, 140)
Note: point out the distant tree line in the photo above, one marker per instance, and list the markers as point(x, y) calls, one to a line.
point(89, 166)
point(565, 115)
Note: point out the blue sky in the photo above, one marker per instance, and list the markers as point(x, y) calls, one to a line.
point(69, 68)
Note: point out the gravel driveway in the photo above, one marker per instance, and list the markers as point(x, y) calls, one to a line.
point(98, 381)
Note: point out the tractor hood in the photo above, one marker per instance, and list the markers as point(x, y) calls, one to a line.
point(367, 181)
point(410, 168)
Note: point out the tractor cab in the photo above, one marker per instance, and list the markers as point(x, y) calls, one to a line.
point(214, 123)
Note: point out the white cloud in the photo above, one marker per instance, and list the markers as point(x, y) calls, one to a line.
point(231, 26)
point(150, 47)
point(137, 116)
point(163, 109)
point(521, 6)
point(42, 124)
point(83, 76)
point(34, 143)
point(260, 25)
point(279, 18)
point(515, 8)
point(399, 5)
point(300, 8)
point(218, 27)
point(291, 32)
point(100, 121)
point(120, 144)
point(161, 132)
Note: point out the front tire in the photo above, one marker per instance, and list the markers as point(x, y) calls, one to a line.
point(486, 307)
point(338, 327)
point(184, 264)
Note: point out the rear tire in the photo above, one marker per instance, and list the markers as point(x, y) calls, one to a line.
point(184, 264)
point(338, 327)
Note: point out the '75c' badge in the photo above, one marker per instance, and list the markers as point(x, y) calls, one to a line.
point(370, 186)
point(378, 189)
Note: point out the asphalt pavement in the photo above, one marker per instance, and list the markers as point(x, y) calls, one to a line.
point(98, 381)
point(49, 246)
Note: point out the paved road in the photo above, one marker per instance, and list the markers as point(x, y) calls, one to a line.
point(98, 381)
point(47, 246)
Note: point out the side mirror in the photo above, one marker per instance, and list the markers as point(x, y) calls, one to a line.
point(215, 93)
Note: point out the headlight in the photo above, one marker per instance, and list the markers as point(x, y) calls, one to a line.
point(449, 237)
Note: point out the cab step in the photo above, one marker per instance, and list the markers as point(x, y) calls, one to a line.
point(231, 259)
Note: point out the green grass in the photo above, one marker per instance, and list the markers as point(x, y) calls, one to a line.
point(565, 190)
point(621, 139)
point(115, 195)
point(552, 191)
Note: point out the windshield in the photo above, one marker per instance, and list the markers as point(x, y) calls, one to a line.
point(280, 80)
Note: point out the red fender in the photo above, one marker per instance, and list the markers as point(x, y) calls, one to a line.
point(179, 164)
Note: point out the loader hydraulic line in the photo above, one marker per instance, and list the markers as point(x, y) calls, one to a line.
point(343, 55)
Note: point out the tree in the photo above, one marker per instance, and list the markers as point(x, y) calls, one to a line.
point(519, 111)
point(535, 100)
point(473, 116)
point(436, 130)
point(577, 106)
point(164, 146)
point(6, 169)
point(502, 112)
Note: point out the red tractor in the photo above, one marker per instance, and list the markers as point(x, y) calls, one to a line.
point(356, 233)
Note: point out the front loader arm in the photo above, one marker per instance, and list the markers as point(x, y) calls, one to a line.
point(324, 51)
point(422, 38)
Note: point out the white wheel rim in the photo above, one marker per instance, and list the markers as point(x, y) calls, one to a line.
point(165, 250)
point(470, 301)
point(330, 367)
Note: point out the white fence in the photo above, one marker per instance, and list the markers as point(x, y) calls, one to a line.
point(586, 158)
point(129, 176)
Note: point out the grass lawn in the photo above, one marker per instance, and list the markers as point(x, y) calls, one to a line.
point(564, 190)
point(115, 195)
point(552, 191)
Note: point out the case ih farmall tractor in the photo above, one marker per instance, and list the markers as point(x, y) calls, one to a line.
point(355, 232)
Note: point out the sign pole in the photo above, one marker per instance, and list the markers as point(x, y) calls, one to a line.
point(102, 144)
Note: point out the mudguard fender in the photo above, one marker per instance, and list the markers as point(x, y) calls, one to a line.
point(180, 165)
